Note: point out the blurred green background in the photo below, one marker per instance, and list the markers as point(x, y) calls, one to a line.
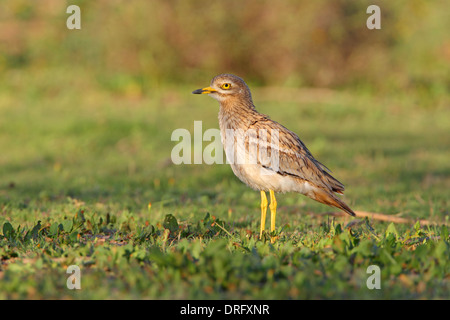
point(89, 113)
point(133, 47)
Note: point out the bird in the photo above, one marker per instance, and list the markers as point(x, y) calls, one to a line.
point(265, 155)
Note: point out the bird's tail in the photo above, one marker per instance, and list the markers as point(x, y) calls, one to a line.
point(330, 199)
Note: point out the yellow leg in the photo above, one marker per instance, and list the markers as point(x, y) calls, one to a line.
point(273, 212)
point(263, 212)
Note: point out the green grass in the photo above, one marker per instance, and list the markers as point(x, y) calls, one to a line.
point(78, 171)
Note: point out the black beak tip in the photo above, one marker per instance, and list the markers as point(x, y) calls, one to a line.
point(198, 91)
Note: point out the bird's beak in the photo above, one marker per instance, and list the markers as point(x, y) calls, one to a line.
point(204, 91)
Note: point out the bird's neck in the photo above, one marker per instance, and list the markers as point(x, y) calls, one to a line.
point(237, 114)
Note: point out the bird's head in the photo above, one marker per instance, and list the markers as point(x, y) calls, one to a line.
point(226, 87)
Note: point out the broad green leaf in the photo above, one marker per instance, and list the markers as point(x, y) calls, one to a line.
point(54, 228)
point(67, 225)
point(391, 230)
point(444, 233)
point(8, 230)
point(35, 231)
point(170, 222)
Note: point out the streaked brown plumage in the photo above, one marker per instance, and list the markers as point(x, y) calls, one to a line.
point(264, 154)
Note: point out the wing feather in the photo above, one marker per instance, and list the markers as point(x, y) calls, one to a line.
point(281, 150)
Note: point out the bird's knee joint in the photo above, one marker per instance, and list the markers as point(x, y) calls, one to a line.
point(273, 205)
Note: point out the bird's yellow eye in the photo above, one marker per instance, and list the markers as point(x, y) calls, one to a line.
point(226, 86)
